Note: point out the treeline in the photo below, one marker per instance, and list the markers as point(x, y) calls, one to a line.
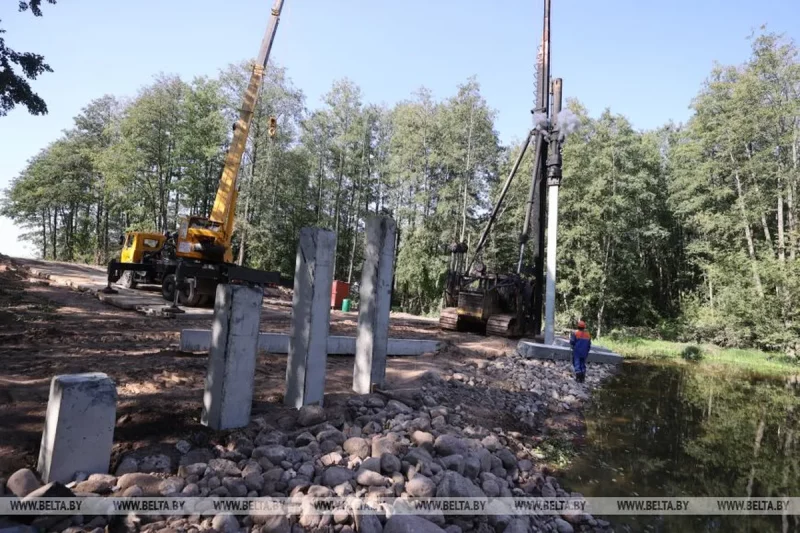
point(690, 229)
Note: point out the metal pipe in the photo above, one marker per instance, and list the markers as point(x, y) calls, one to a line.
point(500, 199)
point(553, 184)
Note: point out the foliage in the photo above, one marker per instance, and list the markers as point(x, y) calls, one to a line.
point(692, 353)
point(14, 88)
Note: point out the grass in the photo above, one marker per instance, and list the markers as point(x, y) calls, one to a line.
point(713, 356)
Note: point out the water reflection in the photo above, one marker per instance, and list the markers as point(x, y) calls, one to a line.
point(675, 430)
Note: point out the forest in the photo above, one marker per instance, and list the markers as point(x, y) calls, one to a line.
point(689, 231)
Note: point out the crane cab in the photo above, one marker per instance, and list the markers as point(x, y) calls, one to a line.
point(136, 243)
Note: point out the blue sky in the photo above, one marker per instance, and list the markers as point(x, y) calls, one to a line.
point(645, 59)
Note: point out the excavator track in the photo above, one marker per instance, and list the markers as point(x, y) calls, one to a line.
point(502, 326)
point(448, 319)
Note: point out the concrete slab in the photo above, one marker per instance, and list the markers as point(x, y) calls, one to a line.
point(79, 426)
point(232, 358)
point(375, 301)
point(311, 313)
point(199, 340)
point(561, 351)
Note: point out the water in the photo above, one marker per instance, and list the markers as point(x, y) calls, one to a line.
point(678, 430)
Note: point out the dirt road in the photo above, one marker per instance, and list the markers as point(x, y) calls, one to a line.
point(49, 328)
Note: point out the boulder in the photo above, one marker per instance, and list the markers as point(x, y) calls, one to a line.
point(225, 523)
point(22, 482)
point(382, 445)
point(390, 464)
point(370, 478)
point(454, 485)
point(445, 445)
point(148, 483)
point(310, 415)
point(357, 446)
point(336, 475)
point(421, 487)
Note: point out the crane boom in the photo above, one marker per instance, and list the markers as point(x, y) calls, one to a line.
point(224, 208)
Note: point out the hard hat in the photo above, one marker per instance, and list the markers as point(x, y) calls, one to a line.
point(581, 324)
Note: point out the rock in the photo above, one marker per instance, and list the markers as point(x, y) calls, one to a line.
point(421, 487)
point(368, 523)
point(525, 465)
point(251, 467)
point(197, 455)
point(370, 478)
point(491, 443)
point(265, 438)
point(133, 492)
point(454, 485)
point(508, 459)
point(310, 415)
point(439, 410)
point(225, 523)
point(517, 525)
point(452, 528)
point(332, 458)
point(445, 445)
point(375, 402)
point(398, 407)
point(562, 526)
point(224, 467)
point(183, 446)
point(96, 486)
point(357, 446)
point(402, 523)
point(190, 490)
point(156, 463)
point(196, 469)
point(336, 475)
point(149, 484)
point(275, 453)
point(373, 463)
point(382, 445)
point(390, 464)
point(171, 486)
point(331, 434)
point(128, 465)
point(453, 462)
point(472, 467)
point(273, 523)
point(423, 439)
point(418, 456)
point(22, 482)
point(54, 489)
point(235, 485)
point(491, 488)
point(304, 439)
point(548, 491)
point(438, 423)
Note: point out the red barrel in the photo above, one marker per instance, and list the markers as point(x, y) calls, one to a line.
point(339, 292)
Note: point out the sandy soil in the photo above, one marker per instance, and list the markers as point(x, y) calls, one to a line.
point(48, 329)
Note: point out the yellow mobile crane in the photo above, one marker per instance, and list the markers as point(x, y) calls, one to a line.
point(191, 262)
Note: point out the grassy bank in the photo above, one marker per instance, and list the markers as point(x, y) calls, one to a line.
point(746, 360)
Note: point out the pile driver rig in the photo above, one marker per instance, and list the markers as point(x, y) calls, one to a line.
point(191, 262)
point(510, 304)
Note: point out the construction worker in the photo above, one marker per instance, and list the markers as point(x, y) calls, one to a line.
point(581, 342)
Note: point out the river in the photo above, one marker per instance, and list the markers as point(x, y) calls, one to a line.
point(663, 429)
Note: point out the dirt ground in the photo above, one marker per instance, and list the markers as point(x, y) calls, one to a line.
point(48, 329)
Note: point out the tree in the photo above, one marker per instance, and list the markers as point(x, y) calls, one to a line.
point(15, 88)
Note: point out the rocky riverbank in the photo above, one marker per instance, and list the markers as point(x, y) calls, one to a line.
point(472, 432)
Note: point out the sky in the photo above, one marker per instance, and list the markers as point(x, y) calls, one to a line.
point(645, 59)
